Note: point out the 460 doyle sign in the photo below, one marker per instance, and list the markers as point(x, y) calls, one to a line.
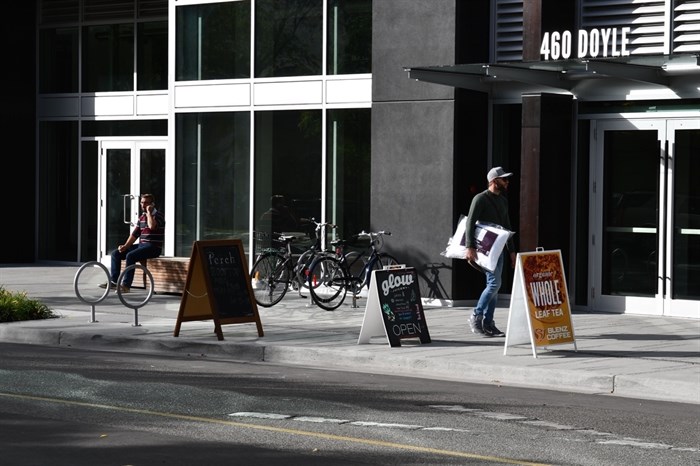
point(607, 42)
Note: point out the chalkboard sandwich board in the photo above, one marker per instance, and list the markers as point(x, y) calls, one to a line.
point(218, 287)
point(394, 308)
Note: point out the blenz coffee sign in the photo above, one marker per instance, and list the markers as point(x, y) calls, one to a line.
point(594, 43)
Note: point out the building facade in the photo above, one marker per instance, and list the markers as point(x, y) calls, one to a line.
point(379, 115)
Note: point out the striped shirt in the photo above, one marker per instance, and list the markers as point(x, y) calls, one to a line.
point(156, 236)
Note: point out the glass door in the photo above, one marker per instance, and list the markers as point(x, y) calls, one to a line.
point(627, 186)
point(127, 170)
point(682, 273)
point(645, 220)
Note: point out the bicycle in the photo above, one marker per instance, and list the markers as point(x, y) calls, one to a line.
point(332, 275)
point(307, 257)
point(275, 269)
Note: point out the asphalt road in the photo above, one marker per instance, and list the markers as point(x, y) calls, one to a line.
point(67, 406)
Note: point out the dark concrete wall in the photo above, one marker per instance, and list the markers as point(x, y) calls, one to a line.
point(413, 132)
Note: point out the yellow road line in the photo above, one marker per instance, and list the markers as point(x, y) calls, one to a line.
point(341, 438)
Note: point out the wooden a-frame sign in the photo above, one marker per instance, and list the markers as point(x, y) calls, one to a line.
point(218, 287)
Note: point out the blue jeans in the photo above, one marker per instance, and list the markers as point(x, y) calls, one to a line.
point(489, 297)
point(136, 253)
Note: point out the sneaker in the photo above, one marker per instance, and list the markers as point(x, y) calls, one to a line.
point(475, 324)
point(112, 286)
point(491, 330)
point(124, 289)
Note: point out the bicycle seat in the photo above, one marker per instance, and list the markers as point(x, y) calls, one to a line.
point(287, 238)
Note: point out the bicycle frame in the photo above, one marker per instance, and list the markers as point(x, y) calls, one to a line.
point(306, 258)
point(363, 276)
point(334, 275)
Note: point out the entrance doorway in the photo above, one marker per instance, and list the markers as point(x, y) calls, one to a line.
point(127, 170)
point(645, 217)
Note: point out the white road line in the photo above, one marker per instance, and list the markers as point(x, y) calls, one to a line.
point(260, 415)
point(550, 425)
point(320, 419)
point(631, 442)
point(609, 438)
point(382, 424)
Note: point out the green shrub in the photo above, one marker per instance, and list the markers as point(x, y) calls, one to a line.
point(17, 306)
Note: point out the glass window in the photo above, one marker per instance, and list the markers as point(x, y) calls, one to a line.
point(152, 56)
point(288, 164)
point(212, 178)
point(288, 38)
point(349, 36)
point(213, 41)
point(108, 58)
point(58, 191)
point(58, 56)
point(348, 170)
point(124, 128)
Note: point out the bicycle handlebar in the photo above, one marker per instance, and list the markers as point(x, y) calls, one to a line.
point(320, 225)
point(365, 234)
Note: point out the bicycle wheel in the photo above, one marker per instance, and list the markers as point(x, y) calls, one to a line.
point(327, 282)
point(356, 266)
point(269, 279)
point(302, 267)
point(382, 259)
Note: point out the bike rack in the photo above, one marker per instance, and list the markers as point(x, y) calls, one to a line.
point(120, 280)
point(145, 301)
point(81, 297)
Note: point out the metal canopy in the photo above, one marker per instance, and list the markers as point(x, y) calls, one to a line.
point(573, 76)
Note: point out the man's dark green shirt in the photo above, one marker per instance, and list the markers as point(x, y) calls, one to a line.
point(490, 208)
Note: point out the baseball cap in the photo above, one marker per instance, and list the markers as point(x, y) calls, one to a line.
point(497, 172)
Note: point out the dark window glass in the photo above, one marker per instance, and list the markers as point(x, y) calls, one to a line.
point(288, 38)
point(288, 164)
point(212, 178)
point(213, 41)
point(125, 128)
point(349, 36)
point(630, 213)
point(58, 60)
point(348, 165)
point(686, 216)
point(152, 56)
point(108, 58)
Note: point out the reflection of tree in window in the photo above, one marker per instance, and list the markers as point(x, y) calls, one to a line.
point(288, 37)
point(213, 41)
point(108, 58)
point(349, 36)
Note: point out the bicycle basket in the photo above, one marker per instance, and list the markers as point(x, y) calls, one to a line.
point(263, 241)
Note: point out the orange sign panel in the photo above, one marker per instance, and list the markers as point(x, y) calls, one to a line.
point(547, 298)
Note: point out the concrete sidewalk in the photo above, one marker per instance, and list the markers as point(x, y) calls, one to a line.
point(622, 355)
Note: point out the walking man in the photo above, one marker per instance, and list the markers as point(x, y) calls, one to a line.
point(491, 206)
